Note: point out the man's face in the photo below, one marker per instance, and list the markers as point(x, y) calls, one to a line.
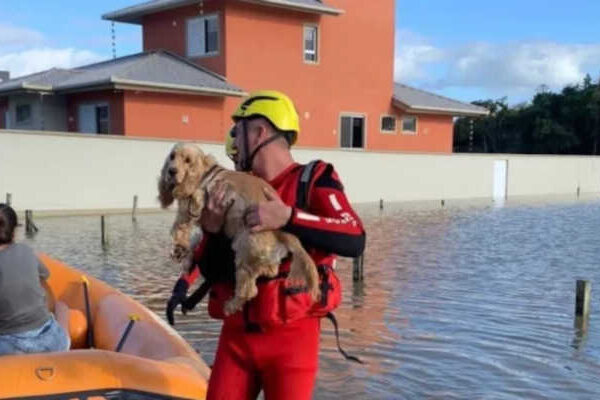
point(251, 136)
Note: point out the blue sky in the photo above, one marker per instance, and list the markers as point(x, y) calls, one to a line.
point(463, 49)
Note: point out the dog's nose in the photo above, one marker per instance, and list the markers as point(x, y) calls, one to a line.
point(172, 171)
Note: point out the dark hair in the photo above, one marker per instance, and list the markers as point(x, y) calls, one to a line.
point(8, 223)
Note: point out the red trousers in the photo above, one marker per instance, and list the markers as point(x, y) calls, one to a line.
point(282, 361)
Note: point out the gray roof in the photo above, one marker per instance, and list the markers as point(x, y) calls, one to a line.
point(135, 13)
point(41, 81)
point(416, 100)
point(156, 69)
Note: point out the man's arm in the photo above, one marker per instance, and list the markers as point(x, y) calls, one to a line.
point(44, 274)
point(50, 300)
point(332, 226)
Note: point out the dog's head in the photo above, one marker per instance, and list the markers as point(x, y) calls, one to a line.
point(181, 173)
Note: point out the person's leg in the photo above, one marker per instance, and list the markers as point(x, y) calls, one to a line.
point(7, 345)
point(56, 338)
point(39, 340)
point(290, 370)
point(233, 376)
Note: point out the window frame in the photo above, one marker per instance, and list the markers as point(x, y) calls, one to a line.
point(387, 131)
point(204, 18)
point(107, 120)
point(317, 42)
point(365, 129)
point(408, 132)
point(29, 116)
point(96, 105)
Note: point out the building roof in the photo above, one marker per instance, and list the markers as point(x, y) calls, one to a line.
point(414, 100)
point(156, 70)
point(134, 14)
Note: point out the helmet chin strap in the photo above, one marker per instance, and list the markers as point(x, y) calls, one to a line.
point(246, 162)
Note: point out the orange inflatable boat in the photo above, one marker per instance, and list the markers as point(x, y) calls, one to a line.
point(119, 350)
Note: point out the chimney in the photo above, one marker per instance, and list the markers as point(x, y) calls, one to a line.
point(4, 76)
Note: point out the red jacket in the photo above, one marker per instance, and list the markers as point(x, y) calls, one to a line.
point(327, 226)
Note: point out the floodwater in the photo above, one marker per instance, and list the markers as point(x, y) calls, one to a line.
point(457, 303)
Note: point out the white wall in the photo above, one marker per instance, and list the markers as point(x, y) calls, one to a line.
point(49, 171)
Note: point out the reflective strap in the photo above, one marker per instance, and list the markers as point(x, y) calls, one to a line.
point(302, 194)
point(347, 356)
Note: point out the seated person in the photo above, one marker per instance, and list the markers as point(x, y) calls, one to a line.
point(26, 324)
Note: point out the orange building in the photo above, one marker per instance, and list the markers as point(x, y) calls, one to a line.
point(334, 59)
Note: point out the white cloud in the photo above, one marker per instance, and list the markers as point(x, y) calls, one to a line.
point(523, 65)
point(508, 68)
point(413, 54)
point(12, 36)
point(40, 59)
point(23, 52)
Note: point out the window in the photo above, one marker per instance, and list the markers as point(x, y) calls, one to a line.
point(311, 43)
point(23, 113)
point(409, 125)
point(388, 124)
point(203, 36)
point(102, 121)
point(352, 132)
point(94, 118)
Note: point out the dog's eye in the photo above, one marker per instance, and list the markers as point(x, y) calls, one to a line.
point(188, 160)
point(172, 156)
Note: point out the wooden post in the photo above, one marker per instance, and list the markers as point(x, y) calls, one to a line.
point(28, 221)
point(358, 273)
point(582, 303)
point(135, 203)
point(8, 199)
point(103, 230)
point(30, 227)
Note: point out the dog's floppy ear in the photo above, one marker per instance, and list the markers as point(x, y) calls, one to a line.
point(165, 189)
point(208, 160)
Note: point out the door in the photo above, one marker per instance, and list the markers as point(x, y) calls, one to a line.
point(87, 118)
point(500, 180)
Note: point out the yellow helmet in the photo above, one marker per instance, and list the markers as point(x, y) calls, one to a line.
point(274, 106)
point(230, 148)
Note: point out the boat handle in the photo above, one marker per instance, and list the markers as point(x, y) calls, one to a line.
point(44, 373)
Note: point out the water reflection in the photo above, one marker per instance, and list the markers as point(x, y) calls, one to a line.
point(457, 302)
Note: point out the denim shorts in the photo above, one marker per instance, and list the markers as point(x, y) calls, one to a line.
point(49, 337)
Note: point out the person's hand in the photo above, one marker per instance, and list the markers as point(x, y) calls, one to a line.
point(213, 214)
point(268, 215)
point(178, 297)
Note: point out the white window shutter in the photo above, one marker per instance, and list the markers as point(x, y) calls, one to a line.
point(195, 37)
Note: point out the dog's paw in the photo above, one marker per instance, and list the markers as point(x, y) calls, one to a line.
point(315, 293)
point(232, 306)
point(179, 253)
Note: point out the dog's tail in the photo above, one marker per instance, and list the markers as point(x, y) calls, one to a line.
point(302, 269)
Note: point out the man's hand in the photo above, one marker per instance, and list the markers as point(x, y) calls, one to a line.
point(178, 297)
point(213, 215)
point(269, 215)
